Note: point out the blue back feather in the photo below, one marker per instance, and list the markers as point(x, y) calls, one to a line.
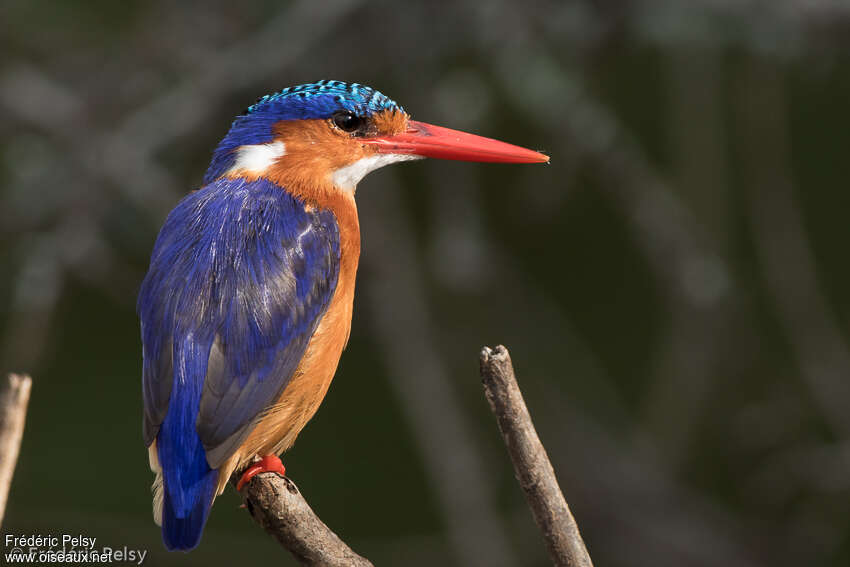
point(317, 100)
point(239, 278)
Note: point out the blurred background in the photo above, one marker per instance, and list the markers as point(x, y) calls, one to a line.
point(674, 287)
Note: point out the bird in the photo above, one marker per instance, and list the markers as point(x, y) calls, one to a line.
point(247, 303)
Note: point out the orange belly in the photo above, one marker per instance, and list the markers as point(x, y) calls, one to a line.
point(283, 422)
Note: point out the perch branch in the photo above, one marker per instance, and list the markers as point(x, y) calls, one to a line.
point(278, 507)
point(14, 397)
point(531, 463)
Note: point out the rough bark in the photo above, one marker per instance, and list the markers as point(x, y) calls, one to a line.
point(531, 463)
point(277, 505)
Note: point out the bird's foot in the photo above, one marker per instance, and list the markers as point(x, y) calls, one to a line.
point(269, 463)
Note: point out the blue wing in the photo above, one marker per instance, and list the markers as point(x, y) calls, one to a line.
point(240, 276)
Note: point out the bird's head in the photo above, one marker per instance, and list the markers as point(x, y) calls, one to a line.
point(326, 136)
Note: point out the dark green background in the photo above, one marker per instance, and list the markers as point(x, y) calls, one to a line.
point(673, 286)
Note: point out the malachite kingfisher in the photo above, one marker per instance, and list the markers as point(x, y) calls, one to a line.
point(246, 307)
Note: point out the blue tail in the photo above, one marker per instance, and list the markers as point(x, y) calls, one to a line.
point(189, 484)
point(189, 487)
point(185, 515)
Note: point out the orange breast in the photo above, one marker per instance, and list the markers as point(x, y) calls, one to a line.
point(306, 390)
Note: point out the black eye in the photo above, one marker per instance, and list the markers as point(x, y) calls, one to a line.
point(347, 121)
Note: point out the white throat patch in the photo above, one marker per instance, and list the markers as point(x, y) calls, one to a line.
point(257, 158)
point(348, 177)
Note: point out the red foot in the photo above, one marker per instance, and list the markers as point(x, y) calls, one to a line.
point(269, 463)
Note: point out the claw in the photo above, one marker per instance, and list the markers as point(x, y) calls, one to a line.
point(269, 463)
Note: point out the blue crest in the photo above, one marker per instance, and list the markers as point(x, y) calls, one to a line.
point(310, 101)
point(323, 98)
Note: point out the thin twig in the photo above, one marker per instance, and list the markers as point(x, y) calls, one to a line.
point(277, 505)
point(14, 397)
point(531, 463)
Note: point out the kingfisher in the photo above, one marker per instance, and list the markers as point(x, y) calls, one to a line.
point(246, 307)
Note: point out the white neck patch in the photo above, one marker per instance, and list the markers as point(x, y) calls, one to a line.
point(348, 177)
point(257, 158)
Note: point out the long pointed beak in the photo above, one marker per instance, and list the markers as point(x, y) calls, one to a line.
point(427, 140)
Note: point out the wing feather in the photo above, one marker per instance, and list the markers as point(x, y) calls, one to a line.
point(245, 271)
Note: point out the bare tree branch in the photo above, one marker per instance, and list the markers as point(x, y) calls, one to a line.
point(277, 505)
point(14, 397)
point(531, 463)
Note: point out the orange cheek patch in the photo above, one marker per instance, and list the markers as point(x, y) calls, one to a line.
point(314, 150)
point(316, 142)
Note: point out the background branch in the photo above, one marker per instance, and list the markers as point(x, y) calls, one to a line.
point(531, 463)
point(278, 506)
point(14, 397)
